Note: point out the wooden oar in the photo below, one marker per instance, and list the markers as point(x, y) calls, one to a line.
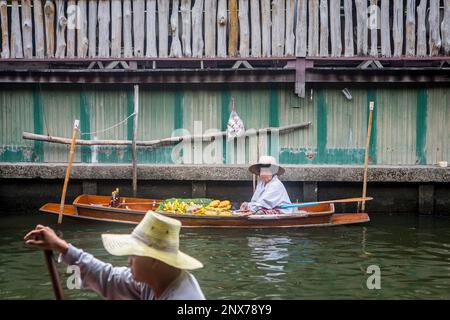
point(362, 206)
point(69, 167)
point(308, 204)
point(54, 276)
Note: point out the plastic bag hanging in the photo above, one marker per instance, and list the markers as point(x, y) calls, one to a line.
point(235, 127)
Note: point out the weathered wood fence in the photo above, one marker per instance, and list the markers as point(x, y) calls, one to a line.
point(223, 28)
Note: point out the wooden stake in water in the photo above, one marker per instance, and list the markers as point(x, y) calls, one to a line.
point(135, 130)
point(366, 160)
point(69, 167)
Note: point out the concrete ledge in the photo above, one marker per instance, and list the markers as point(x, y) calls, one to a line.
point(223, 173)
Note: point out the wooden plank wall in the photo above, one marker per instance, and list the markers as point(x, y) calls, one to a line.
point(223, 28)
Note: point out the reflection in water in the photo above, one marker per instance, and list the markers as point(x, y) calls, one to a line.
point(413, 254)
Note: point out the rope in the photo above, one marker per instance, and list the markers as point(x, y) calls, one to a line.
point(109, 128)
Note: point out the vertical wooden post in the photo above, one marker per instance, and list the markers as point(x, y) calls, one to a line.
point(135, 130)
point(446, 28)
point(138, 27)
point(265, 28)
point(163, 27)
point(92, 26)
point(244, 29)
point(255, 28)
point(116, 29)
point(186, 26)
point(76, 125)
point(385, 29)
point(5, 32)
point(366, 158)
point(197, 29)
point(128, 29)
point(397, 28)
point(16, 33)
point(233, 37)
point(289, 45)
point(421, 29)
point(175, 48)
point(151, 29)
point(301, 29)
point(82, 39)
point(49, 12)
point(435, 34)
point(278, 27)
point(373, 25)
point(362, 27)
point(27, 28)
point(348, 33)
point(222, 19)
point(104, 21)
point(61, 24)
point(324, 34)
point(71, 27)
point(411, 28)
point(210, 22)
point(313, 29)
point(335, 28)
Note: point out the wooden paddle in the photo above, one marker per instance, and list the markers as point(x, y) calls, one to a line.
point(54, 276)
point(308, 204)
point(69, 167)
point(362, 205)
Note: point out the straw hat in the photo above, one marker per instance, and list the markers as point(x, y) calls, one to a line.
point(156, 236)
point(267, 162)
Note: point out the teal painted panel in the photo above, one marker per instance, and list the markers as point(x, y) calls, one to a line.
point(396, 123)
point(17, 114)
point(438, 128)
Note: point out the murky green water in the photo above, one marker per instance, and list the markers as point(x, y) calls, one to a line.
point(413, 254)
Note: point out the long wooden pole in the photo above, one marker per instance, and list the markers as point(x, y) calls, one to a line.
point(54, 276)
point(366, 160)
point(135, 130)
point(69, 167)
point(160, 142)
point(308, 204)
point(48, 254)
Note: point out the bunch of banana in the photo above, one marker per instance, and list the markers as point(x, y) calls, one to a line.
point(223, 205)
point(175, 207)
point(217, 212)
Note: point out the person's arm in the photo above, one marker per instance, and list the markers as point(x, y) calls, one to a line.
point(103, 278)
point(110, 282)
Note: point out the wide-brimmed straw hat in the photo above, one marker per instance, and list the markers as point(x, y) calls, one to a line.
point(156, 236)
point(267, 162)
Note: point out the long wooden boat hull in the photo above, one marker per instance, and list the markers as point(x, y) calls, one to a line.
point(96, 208)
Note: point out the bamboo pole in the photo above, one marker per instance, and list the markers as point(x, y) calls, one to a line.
point(366, 160)
point(159, 142)
point(135, 129)
point(69, 166)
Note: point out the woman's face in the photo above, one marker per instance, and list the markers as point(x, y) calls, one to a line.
point(265, 174)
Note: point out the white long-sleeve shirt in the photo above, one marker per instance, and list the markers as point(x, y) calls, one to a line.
point(270, 196)
point(117, 283)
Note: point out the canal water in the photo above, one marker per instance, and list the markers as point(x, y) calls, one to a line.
point(412, 254)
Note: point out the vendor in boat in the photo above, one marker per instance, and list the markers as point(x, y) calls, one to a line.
point(270, 192)
point(158, 270)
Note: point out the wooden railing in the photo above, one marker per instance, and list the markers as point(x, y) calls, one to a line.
point(223, 28)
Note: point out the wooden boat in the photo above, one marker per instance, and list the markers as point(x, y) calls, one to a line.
point(132, 211)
